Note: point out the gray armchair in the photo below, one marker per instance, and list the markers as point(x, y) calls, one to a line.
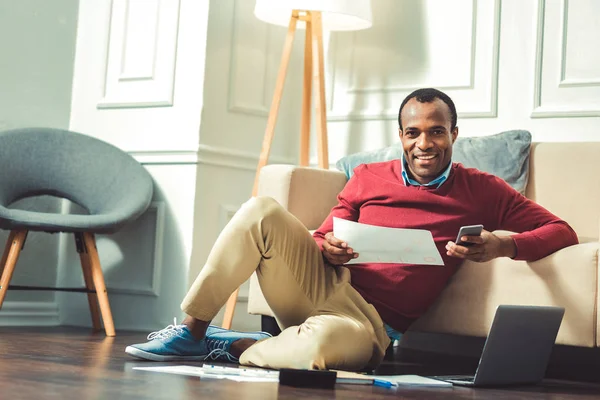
point(107, 182)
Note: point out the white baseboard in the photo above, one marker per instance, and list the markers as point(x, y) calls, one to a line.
point(29, 313)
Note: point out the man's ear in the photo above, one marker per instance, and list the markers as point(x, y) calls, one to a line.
point(454, 134)
point(400, 133)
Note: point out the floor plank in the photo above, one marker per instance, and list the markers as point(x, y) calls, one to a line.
point(74, 363)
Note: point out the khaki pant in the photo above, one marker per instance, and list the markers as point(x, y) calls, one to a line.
point(326, 323)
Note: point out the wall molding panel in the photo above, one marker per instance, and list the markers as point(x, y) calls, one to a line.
point(357, 59)
point(224, 157)
point(557, 93)
point(248, 96)
point(209, 155)
point(141, 54)
point(470, 84)
point(29, 313)
point(565, 81)
point(165, 157)
point(226, 212)
point(120, 281)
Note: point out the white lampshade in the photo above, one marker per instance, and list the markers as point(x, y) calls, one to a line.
point(338, 15)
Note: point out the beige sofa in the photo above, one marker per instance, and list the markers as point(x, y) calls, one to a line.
point(564, 178)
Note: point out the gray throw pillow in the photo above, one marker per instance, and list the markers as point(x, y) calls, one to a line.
point(505, 154)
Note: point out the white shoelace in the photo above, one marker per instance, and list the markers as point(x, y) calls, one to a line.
point(167, 332)
point(218, 349)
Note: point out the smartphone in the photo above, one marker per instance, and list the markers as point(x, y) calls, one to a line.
point(469, 230)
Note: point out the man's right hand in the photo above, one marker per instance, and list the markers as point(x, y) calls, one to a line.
point(336, 251)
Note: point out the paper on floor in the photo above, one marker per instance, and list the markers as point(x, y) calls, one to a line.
point(174, 369)
point(245, 375)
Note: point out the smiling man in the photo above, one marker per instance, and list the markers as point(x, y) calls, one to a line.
point(427, 136)
point(341, 317)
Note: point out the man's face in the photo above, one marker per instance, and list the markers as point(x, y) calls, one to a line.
point(427, 138)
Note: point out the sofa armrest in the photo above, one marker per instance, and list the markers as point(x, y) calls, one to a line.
point(308, 193)
point(567, 278)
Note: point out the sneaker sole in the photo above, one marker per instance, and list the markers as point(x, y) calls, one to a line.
point(145, 355)
point(240, 332)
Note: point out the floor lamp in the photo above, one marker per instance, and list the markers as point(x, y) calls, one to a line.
point(313, 16)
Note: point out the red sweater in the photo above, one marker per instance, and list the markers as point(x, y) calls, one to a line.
point(376, 195)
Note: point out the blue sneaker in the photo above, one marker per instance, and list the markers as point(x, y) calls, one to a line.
point(175, 342)
point(219, 343)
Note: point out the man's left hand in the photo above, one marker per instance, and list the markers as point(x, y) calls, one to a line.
point(483, 248)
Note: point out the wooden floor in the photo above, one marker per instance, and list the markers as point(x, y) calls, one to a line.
point(73, 363)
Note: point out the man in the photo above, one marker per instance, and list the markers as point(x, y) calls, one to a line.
point(328, 320)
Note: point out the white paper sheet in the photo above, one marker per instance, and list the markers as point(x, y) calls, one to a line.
point(175, 369)
point(238, 375)
point(377, 244)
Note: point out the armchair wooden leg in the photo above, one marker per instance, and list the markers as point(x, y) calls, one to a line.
point(84, 258)
point(13, 247)
point(7, 246)
point(98, 280)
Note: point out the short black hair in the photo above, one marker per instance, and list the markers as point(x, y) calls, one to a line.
point(427, 95)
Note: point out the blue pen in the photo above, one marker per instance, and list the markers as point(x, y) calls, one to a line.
point(380, 383)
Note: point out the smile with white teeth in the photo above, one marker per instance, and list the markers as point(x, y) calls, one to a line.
point(426, 157)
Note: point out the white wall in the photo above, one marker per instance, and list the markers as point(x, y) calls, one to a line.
point(37, 39)
point(138, 84)
point(512, 64)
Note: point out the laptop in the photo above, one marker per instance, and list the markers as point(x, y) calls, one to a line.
point(517, 349)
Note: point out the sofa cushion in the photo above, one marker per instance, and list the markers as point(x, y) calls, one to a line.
point(505, 154)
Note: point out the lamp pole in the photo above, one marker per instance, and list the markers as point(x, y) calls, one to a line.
point(314, 73)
